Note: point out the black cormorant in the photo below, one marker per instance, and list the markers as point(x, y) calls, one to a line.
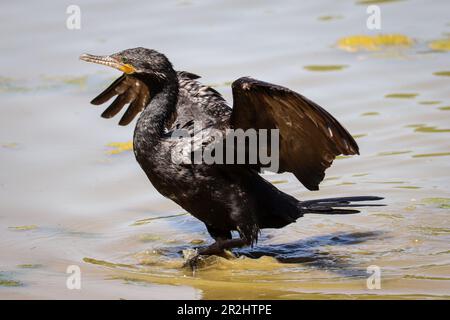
point(224, 197)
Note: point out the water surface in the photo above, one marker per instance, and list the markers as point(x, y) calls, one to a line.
point(71, 192)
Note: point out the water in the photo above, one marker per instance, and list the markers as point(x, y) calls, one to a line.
point(66, 200)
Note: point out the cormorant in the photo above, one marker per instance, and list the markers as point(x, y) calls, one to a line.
point(225, 197)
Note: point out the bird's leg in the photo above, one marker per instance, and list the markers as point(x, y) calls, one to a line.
point(217, 248)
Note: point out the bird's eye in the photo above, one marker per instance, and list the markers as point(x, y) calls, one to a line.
point(124, 60)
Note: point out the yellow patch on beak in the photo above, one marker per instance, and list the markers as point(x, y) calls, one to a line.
point(127, 68)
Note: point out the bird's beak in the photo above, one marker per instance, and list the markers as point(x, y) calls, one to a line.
point(108, 61)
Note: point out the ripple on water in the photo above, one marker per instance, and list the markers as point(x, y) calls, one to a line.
point(433, 231)
point(411, 276)
point(148, 220)
point(439, 202)
point(267, 271)
point(13, 85)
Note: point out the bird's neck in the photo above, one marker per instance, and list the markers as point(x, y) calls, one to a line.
point(150, 126)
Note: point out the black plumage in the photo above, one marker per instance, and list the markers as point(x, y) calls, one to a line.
point(225, 197)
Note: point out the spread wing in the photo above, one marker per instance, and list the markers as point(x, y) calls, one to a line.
point(310, 137)
point(129, 90)
point(132, 91)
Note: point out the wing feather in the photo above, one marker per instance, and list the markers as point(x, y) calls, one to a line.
point(129, 90)
point(310, 137)
point(137, 105)
point(109, 92)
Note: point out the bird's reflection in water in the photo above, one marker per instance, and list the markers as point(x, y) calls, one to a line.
point(270, 271)
point(311, 251)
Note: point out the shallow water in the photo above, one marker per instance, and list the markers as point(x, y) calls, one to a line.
point(71, 192)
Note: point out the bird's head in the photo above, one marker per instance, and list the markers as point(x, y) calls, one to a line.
point(136, 61)
point(146, 72)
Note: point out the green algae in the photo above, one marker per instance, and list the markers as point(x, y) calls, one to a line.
point(440, 45)
point(329, 17)
point(429, 102)
point(342, 157)
point(374, 42)
point(120, 147)
point(197, 241)
point(108, 264)
point(408, 187)
point(442, 73)
point(430, 129)
point(10, 145)
point(23, 228)
point(325, 68)
point(393, 153)
point(10, 283)
point(279, 181)
point(360, 174)
point(427, 155)
point(370, 114)
point(401, 95)
point(148, 238)
point(30, 266)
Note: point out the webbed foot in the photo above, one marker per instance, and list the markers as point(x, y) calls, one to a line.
point(192, 259)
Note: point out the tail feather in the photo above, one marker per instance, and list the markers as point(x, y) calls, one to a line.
point(335, 205)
